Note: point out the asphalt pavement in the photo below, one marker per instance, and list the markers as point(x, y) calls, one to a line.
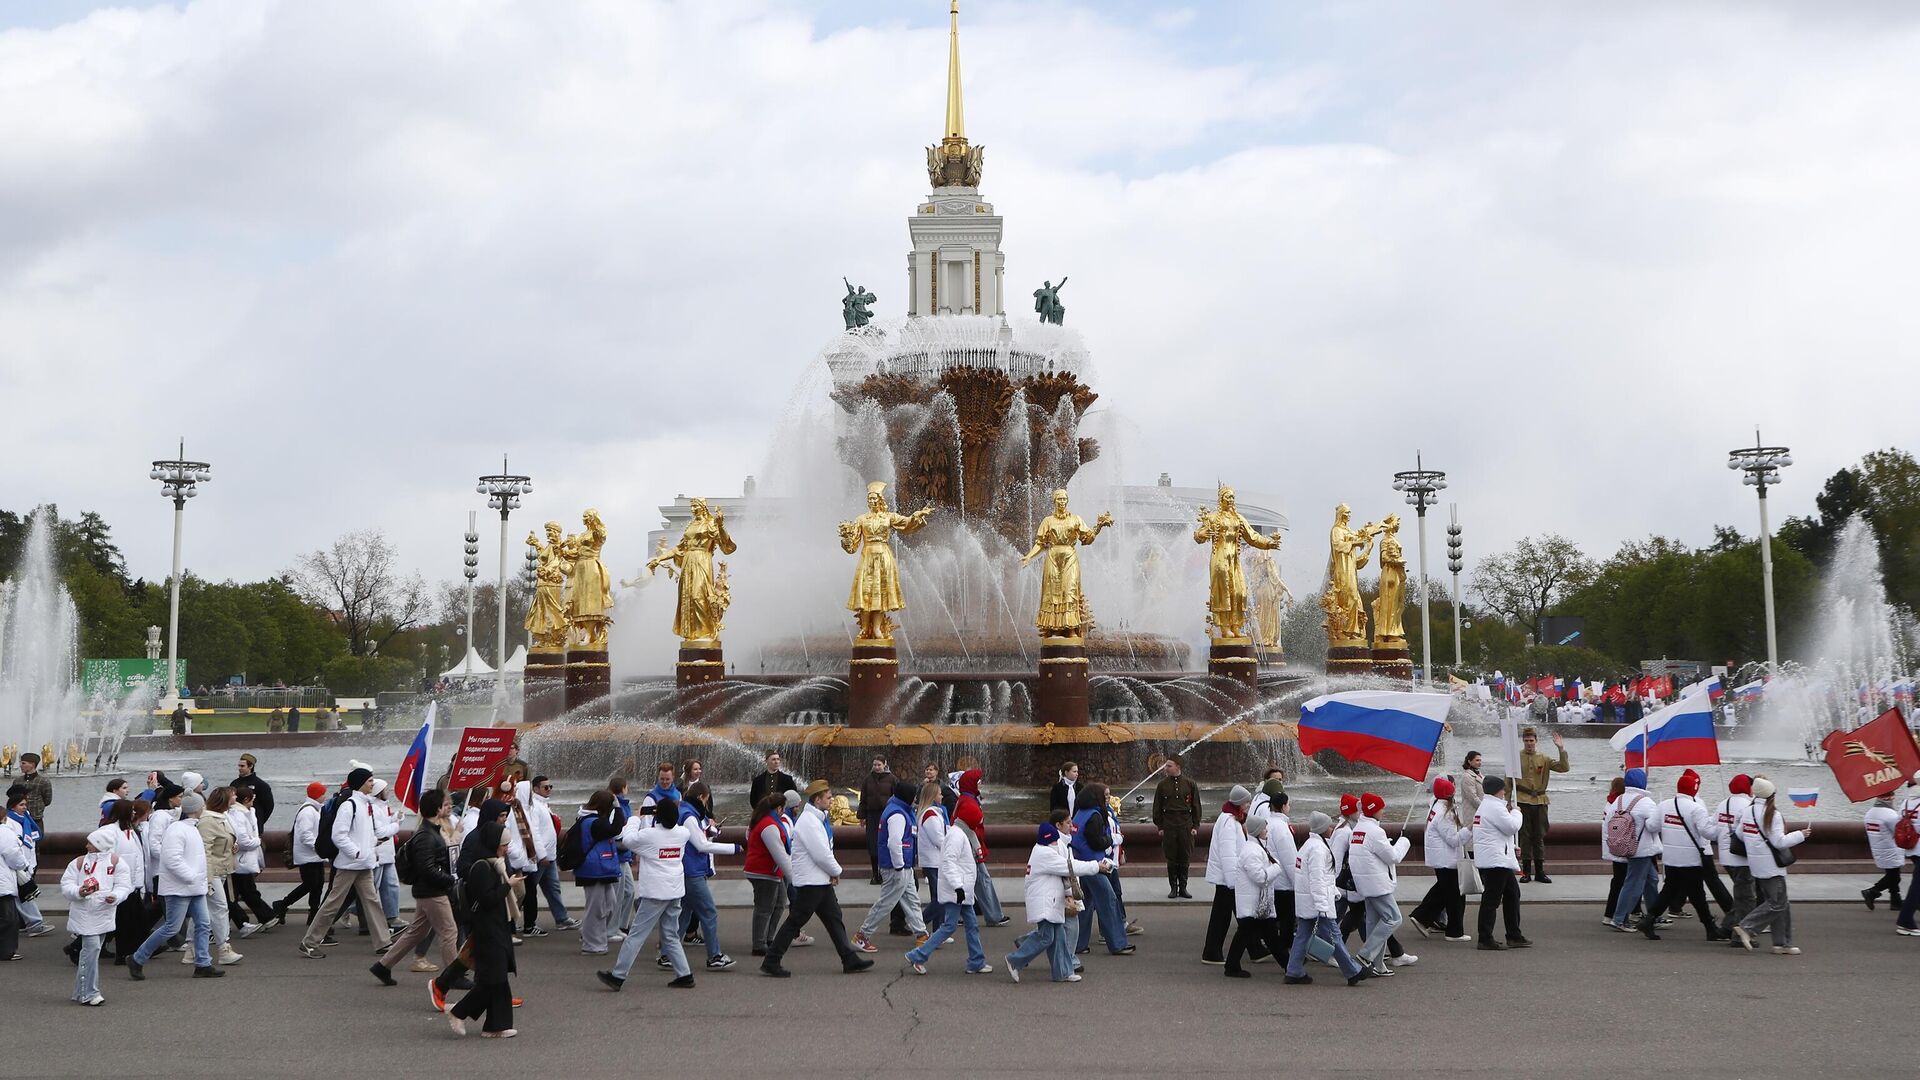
point(1584, 1002)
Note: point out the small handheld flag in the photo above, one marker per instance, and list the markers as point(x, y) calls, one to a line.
point(1804, 797)
point(412, 778)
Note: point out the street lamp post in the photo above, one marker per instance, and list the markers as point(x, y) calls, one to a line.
point(531, 577)
point(179, 481)
point(472, 571)
point(1761, 467)
point(503, 491)
point(1420, 485)
point(1454, 565)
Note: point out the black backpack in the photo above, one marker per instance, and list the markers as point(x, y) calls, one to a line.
point(323, 844)
point(403, 861)
point(573, 850)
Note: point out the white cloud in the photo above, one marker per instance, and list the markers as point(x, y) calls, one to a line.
point(354, 251)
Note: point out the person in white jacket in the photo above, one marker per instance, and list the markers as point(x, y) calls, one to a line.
point(1910, 808)
point(1727, 816)
point(1687, 836)
point(1254, 899)
point(182, 884)
point(304, 835)
point(13, 860)
point(1375, 873)
point(1495, 825)
point(386, 879)
point(1764, 832)
point(355, 836)
point(959, 852)
point(1223, 862)
point(815, 873)
point(544, 878)
point(94, 885)
point(1052, 874)
point(249, 861)
point(1313, 906)
point(1446, 837)
point(1280, 844)
point(1879, 821)
point(659, 844)
point(1642, 885)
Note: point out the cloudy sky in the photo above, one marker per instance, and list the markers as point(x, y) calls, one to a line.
point(354, 251)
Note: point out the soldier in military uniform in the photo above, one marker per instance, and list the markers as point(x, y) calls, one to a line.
point(1531, 793)
point(1176, 813)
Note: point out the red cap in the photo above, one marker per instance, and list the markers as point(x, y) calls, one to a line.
point(1741, 784)
point(1349, 805)
point(1371, 804)
point(1443, 788)
point(1689, 783)
point(316, 790)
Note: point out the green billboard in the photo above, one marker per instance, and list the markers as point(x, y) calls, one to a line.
point(122, 677)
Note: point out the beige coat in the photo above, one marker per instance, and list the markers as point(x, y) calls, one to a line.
point(217, 833)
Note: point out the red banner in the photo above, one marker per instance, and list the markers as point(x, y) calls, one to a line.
point(481, 752)
point(1874, 758)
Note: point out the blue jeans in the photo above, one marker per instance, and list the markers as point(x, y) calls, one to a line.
point(1049, 938)
point(985, 896)
point(953, 916)
point(1383, 917)
point(1102, 902)
point(178, 909)
point(698, 907)
point(1641, 887)
point(930, 913)
point(1326, 930)
point(86, 982)
point(549, 881)
point(388, 881)
point(664, 914)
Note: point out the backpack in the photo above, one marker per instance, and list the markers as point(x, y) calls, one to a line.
point(572, 851)
point(1904, 834)
point(403, 862)
point(1623, 831)
point(323, 844)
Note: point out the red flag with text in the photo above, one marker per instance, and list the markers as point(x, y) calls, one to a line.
point(1874, 758)
point(481, 753)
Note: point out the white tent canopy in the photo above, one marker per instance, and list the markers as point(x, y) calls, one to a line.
point(517, 663)
point(479, 666)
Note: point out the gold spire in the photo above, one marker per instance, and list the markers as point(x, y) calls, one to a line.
point(956, 114)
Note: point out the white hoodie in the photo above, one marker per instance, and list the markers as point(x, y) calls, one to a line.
point(1280, 845)
point(306, 832)
point(353, 833)
point(1494, 827)
point(13, 858)
point(1678, 815)
point(930, 839)
point(1223, 850)
point(248, 857)
point(1048, 866)
point(1444, 839)
point(1727, 817)
point(813, 861)
point(1759, 856)
point(1313, 890)
point(183, 860)
point(94, 913)
point(1374, 858)
point(958, 857)
point(1880, 822)
point(1254, 882)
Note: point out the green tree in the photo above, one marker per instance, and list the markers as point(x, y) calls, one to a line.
point(1535, 575)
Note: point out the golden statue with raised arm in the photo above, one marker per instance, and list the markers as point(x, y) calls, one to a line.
point(590, 592)
point(1348, 550)
point(876, 578)
point(703, 601)
point(1226, 530)
point(1060, 536)
point(1391, 604)
point(547, 614)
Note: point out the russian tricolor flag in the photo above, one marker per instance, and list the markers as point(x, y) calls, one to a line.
point(1715, 689)
point(413, 768)
point(1804, 797)
point(1680, 734)
point(1393, 729)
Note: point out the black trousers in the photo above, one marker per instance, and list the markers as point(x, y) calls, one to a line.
point(9, 923)
point(313, 886)
point(1444, 900)
point(873, 849)
point(1499, 896)
point(130, 927)
point(1715, 886)
point(1889, 883)
point(1262, 935)
point(491, 1000)
point(1219, 921)
point(1684, 885)
point(247, 898)
point(806, 902)
point(1613, 887)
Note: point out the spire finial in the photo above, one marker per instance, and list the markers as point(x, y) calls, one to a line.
point(956, 113)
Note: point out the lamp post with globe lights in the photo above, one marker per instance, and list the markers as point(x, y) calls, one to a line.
point(1421, 484)
point(472, 571)
point(531, 578)
point(503, 491)
point(1454, 565)
point(1760, 468)
point(179, 481)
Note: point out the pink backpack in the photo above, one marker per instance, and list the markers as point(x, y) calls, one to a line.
point(1623, 831)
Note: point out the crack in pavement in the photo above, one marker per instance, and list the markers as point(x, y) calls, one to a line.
point(913, 1011)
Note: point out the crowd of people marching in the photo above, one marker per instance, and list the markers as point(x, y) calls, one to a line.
point(175, 867)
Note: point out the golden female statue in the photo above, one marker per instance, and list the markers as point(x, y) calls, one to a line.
point(1226, 530)
point(1347, 554)
point(876, 579)
point(547, 615)
point(1270, 597)
point(1060, 536)
point(702, 605)
point(590, 595)
point(1391, 604)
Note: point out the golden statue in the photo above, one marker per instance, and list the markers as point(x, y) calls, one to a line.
point(547, 614)
point(7, 755)
point(1226, 530)
point(1062, 604)
point(590, 587)
point(876, 580)
point(1391, 604)
point(76, 756)
point(1270, 599)
point(1347, 554)
point(703, 600)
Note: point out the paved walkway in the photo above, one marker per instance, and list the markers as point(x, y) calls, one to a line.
point(1585, 1002)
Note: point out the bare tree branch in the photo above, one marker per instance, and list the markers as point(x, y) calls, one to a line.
point(356, 581)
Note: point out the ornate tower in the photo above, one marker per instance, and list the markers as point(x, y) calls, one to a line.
point(956, 267)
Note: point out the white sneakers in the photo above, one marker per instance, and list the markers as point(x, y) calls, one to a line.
point(1786, 950)
point(249, 929)
point(224, 956)
point(1403, 960)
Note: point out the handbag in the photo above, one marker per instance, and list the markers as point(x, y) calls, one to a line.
point(1735, 845)
point(1782, 857)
